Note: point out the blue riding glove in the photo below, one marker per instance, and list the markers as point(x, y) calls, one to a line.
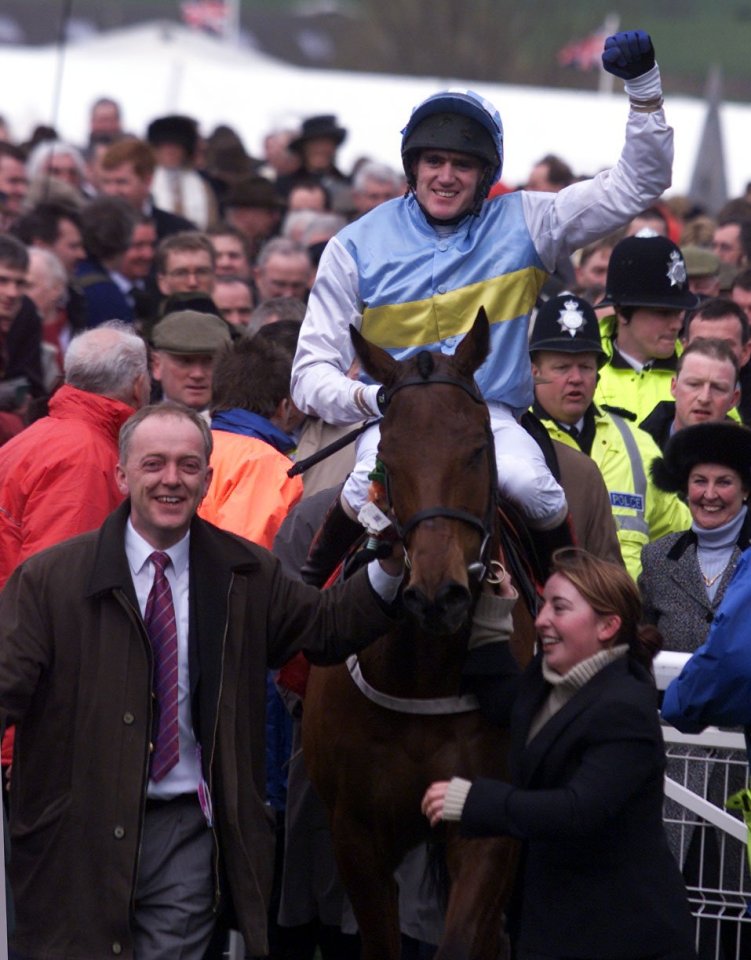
point(629, 54)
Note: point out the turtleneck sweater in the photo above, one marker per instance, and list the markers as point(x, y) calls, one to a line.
point(714, 549)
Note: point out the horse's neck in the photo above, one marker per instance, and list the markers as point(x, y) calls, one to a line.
point(408, 663)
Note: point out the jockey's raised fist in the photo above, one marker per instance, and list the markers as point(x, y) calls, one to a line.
point(628, 54)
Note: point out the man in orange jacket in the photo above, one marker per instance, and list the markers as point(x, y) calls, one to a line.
point(252, 416)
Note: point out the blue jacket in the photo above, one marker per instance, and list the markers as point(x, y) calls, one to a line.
point(104, 299)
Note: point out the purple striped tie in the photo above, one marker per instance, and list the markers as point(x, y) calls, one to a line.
point(159, 619)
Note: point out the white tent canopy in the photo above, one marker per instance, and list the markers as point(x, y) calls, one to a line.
point(159, 68)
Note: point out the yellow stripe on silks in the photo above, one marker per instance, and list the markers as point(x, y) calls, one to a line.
point(424, 322)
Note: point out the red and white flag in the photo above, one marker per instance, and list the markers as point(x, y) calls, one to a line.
point(584, 54)
point(208, 15)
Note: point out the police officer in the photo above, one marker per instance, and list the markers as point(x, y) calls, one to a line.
point(648, 288)
point(566, 353)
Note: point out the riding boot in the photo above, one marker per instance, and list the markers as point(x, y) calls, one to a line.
point(546, 542)
point(335, 536)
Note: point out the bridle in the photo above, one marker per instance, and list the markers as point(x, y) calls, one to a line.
point(484, 525)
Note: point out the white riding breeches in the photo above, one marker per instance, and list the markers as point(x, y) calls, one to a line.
point(523, 475)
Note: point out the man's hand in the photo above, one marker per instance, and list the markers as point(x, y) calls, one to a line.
point(629, 54)
point(392, 558)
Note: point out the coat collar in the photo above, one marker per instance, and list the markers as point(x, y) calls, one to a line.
point(105, 414)
point(110, 570)
point(528, 757)
point(586, 437)
point(688, 539)
point(684, 570)
point(660, 421)
point(619, 362)
point(211, 551)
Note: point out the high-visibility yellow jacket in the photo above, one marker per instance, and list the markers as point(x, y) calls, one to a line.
point(624, 454)
point(619, 385)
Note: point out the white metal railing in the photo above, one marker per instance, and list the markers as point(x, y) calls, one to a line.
point(703, 770)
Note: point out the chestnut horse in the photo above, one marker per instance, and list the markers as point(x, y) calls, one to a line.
point(371, 760)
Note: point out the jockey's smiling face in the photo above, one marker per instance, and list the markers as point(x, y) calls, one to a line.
point(446, 182)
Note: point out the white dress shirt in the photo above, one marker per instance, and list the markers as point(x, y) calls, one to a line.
point(185, 776)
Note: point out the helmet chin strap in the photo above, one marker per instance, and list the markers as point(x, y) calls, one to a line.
point(447, 222)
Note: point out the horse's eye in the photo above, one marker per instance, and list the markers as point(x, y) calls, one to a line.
point(476, 457)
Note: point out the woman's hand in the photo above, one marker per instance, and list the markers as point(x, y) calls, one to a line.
point(433, 800)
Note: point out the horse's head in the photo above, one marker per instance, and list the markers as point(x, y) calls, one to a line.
point(438, 453)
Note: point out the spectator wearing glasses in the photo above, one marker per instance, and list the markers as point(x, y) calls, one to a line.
point(185, 263)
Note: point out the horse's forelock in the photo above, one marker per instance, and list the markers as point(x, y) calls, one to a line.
point(425, 364)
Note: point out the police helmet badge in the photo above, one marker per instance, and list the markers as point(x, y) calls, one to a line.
point(571, 319)
point(676, 269)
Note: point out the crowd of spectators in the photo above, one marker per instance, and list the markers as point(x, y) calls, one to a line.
point(171, 265)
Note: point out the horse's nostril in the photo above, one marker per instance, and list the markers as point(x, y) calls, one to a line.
point(453, 603)
point(415, 602)
point(445, 614)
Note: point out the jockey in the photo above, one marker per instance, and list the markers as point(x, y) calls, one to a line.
point(412, 273)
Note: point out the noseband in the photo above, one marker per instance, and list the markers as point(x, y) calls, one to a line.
point(484, 525)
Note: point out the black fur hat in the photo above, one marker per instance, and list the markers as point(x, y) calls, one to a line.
point(722, 442)
point(315, 127)
point(177, 129)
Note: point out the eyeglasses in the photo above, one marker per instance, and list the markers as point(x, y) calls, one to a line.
point(183, 273)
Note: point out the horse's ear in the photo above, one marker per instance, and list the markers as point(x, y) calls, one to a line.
point(380, 365)
point(473, 349)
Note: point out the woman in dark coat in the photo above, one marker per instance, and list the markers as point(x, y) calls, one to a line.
point(587, 761)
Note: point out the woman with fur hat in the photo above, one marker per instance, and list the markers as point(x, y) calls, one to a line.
point(685, 575)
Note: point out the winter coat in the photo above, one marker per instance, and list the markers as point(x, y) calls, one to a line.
point(76, 673)
point(675, 598)
point(642, 512)
point(598, 879)
point(250, 492)
point(622, 387)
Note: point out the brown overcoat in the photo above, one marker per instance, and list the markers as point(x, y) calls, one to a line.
point(75, 672)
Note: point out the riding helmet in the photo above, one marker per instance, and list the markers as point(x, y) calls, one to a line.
point(455, 120)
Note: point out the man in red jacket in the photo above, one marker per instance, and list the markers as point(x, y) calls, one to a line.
point(57, 477)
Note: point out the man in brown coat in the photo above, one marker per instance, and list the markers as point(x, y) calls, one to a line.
point(111, 857)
